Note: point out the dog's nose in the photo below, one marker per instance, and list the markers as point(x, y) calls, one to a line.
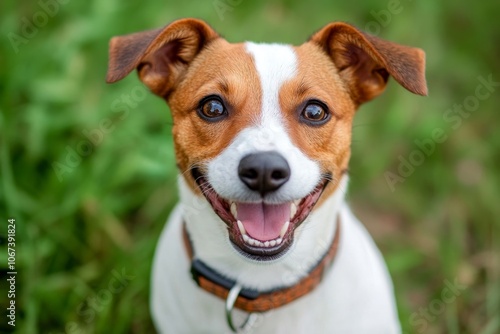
point(264, 172)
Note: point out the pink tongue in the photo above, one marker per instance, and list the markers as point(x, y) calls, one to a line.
point(263, 221)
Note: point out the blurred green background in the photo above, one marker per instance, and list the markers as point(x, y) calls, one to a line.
point(88, 211)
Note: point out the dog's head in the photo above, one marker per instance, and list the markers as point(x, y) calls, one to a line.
point(263, 131)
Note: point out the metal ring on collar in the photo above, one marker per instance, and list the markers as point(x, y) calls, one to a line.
point(230, 300)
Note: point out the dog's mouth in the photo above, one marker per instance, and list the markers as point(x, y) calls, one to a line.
point(260, 231)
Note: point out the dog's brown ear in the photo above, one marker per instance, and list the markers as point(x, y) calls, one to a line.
point(161, 55)
point(365, 61)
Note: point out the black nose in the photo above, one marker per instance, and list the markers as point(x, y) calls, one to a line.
point(264, 172)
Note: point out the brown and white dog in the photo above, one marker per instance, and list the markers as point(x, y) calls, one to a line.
point(262, 137)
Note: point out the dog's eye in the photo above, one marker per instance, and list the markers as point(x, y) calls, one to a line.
point(315, 113)
point(212, 109)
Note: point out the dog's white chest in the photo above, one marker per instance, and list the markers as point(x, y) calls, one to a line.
point(357, 284)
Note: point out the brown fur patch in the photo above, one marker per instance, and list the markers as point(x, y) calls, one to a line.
point(222, 69)
point(365, 61)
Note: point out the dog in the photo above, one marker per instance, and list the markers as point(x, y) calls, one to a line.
point(263, 240)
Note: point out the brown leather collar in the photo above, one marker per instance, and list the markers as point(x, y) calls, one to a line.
point(252, 300)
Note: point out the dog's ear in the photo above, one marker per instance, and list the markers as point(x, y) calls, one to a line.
point(160, 56)
point(365, 61)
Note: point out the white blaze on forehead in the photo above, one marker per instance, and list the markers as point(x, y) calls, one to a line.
point(275, 64)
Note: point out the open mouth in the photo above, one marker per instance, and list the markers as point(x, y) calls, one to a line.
point(260, 231)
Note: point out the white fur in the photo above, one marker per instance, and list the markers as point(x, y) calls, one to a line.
point(356, 293)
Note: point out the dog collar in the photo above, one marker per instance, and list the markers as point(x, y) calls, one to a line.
point(251, 300)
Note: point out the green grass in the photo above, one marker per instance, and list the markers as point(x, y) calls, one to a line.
point(105, 213)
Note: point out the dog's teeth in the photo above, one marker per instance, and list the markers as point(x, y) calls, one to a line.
point(297, 202)
point(284, 229)
point(293, 210)
point(234, 210)
point(242, 228)
point(269, 243)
